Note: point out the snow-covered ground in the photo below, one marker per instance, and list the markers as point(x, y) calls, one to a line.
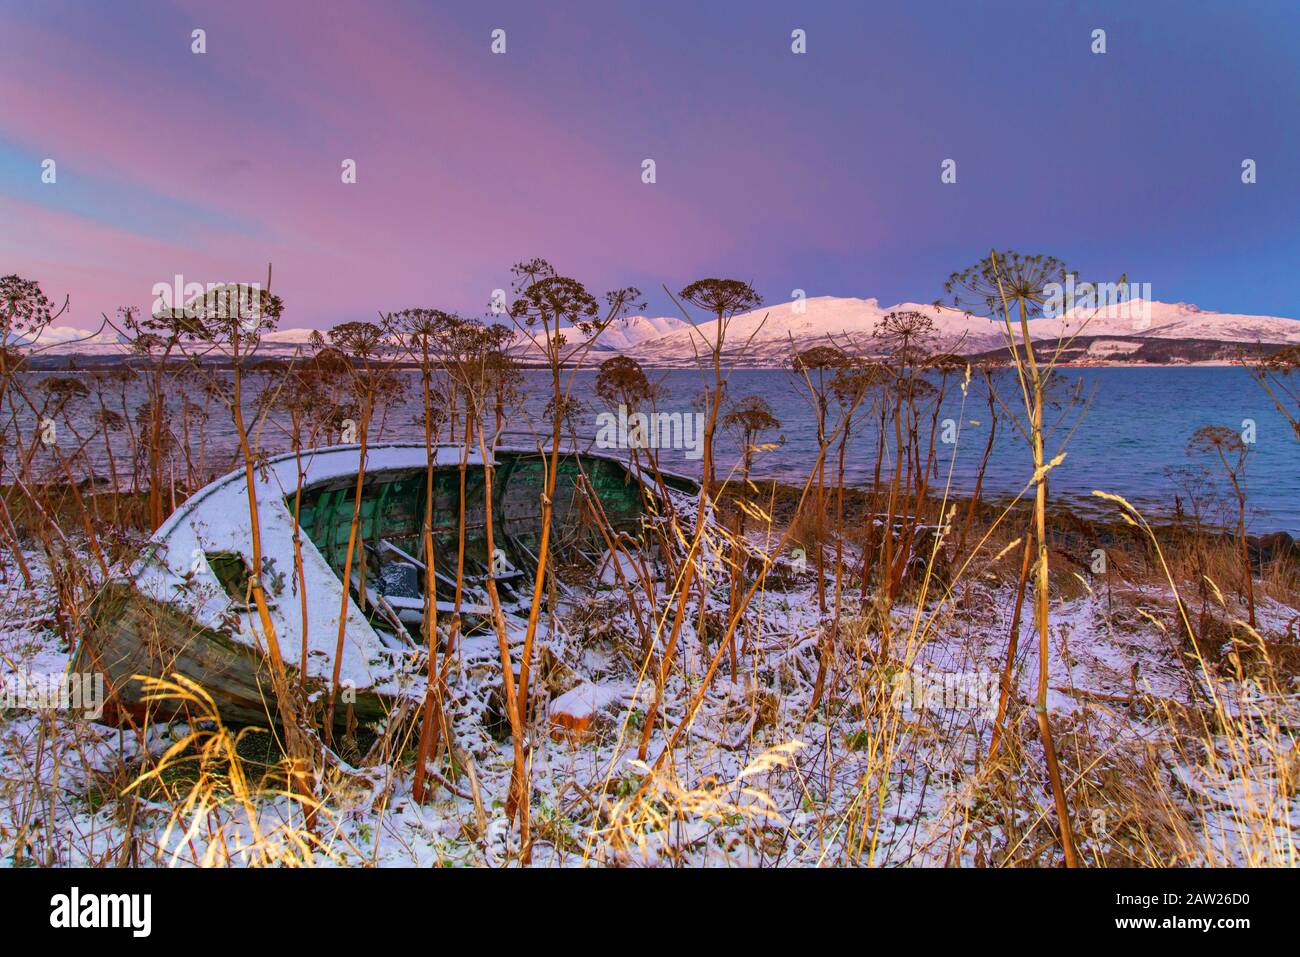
point(891, 769)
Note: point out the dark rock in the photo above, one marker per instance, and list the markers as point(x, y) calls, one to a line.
point(1274, 547)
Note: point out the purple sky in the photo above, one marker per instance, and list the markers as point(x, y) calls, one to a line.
point(818, 171)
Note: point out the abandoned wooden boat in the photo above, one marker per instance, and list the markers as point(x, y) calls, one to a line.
point(183, 605)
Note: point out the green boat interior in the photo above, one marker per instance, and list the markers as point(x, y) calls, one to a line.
point(389, 565)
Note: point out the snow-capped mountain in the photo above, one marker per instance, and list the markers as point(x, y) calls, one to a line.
point(1138, 330)
point(768, 336)
point(288, 337)
point(71, 341)
point(1150, 319)
point(630, 332)
point(625, 335)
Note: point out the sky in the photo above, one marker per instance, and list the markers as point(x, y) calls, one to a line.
point(818, 171)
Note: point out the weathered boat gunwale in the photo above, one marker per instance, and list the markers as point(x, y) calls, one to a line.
point(474, 461)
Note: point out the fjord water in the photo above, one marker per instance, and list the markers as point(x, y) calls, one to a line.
point(1131, 441)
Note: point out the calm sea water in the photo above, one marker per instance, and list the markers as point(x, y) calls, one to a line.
point(1132, 438)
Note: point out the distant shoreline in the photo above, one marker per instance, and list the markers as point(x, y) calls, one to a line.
point(1072, 521)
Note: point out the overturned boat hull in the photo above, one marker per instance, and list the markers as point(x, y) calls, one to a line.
point(182, 607)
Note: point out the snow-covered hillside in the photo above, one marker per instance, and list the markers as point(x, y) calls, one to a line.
point(768, 336)
point(1150, 319)
point(69, 341)
point(635, 330)
point(625, 335)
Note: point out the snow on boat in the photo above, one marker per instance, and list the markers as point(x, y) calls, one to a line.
point(182, 606)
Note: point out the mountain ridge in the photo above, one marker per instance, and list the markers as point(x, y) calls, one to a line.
point(767, 336)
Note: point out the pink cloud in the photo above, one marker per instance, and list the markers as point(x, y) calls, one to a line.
point(458, 176)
